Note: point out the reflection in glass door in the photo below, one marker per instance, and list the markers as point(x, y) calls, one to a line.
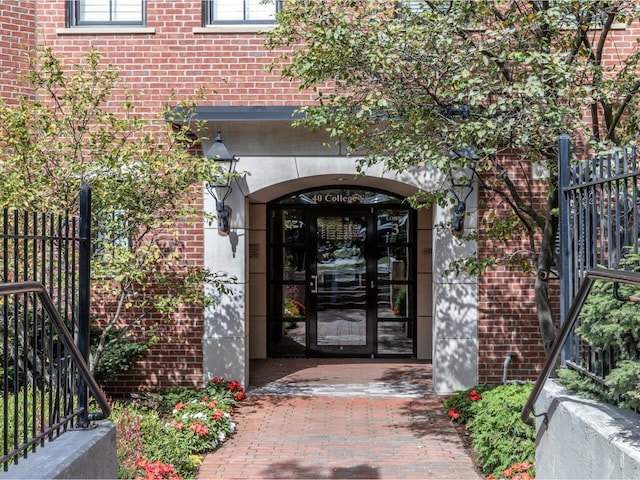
point(341, 277)
point(338, 286)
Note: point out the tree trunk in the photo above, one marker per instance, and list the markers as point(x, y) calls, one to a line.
point(543, 302)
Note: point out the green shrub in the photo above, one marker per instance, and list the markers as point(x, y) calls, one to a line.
point(577, 382)
point(611, 325)
point(498, 434)
point(118, 355)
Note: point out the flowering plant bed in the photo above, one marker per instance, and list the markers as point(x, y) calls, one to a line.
point(164, 436)
point(489, 416)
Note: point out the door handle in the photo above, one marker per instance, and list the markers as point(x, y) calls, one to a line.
point(314, 283)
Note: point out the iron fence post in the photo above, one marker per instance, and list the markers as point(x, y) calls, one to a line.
point(84, 291)
point(566, 294)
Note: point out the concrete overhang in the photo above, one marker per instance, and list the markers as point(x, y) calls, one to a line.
point(257, 130)
point(254, 113)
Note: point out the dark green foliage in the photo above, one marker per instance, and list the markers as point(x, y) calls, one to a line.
point(142, 433)
point(624, 384)
point(117, 358)
point(612, 327)
point(579, 383)
point(400, 302)
point(611, 323)
point(497, 432)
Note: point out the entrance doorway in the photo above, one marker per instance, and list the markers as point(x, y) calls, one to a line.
point(341, 275)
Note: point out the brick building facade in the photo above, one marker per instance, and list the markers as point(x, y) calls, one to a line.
point(467, 326)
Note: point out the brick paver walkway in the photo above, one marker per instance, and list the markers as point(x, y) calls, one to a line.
point(341, 419)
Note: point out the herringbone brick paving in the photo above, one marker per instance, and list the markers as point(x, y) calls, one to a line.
point(341, 419)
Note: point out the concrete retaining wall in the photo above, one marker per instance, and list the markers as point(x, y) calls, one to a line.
point(87, 454)
point(579, 438)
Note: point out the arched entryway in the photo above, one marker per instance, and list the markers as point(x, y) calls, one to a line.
point(277, 161)
point(342, 274)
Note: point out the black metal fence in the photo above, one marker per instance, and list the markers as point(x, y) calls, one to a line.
point(599, 228)
point(44, 346)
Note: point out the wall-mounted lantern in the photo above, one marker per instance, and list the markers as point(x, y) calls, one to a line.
point(221, 189)
point(461, 189)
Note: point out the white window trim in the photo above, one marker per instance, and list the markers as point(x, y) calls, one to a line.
point(105, 30)
point(235, 28)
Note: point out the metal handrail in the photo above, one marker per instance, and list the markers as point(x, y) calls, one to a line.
point(89, 380)
point(621, 276)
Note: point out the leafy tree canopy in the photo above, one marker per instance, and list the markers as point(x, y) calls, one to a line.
point(408, 83)
point(81, 125)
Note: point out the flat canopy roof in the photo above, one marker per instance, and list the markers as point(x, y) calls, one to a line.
point(241, 113)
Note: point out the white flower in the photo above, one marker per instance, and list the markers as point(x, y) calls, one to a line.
point(222, 436)
point(227, 415)
point(232, 426)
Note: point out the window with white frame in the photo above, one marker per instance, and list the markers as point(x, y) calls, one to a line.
point(87, 13)
point(239, 11)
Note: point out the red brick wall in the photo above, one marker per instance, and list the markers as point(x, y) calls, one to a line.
point(229, 67)
point(17, 38)
point(176, 358)
point(507, 320)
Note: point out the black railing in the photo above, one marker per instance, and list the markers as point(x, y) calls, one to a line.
point(599, 230)
point(44, 300)
point(43, 375)
point(629, 278)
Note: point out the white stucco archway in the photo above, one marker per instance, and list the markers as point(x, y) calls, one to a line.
point(279, 159)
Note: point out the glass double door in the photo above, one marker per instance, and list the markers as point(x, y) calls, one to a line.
point(340, 281)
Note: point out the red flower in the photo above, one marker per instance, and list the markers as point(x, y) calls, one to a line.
point(213, 405)
point(199, 428)
point(156, 470)
point(518, 471)
point(217, 380)
point(239, 396)
point(522, 476)
point(218, 415)
point(235, 386)
point(180, 406)
point(474, 396)
point(453, 413)
point(177, 424)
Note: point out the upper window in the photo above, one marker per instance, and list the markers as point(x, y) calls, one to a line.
point(81, 13)
point(239, 11)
